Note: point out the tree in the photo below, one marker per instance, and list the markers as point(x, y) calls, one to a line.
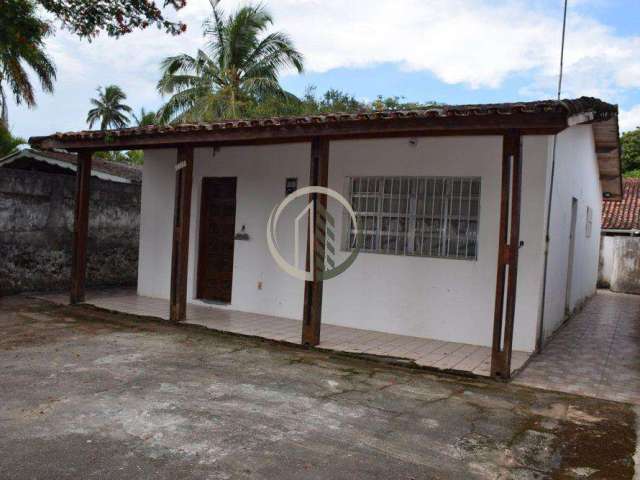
point(239, 66)
point(116, 17)
point(132, 157)
point(8, 143)
point(145, 118)
point(22, 36)
point(630, 143)
point(109, 109)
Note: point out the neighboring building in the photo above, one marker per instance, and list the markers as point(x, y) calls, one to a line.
point(457, 203)
point(36, 221)
point(621, 217)
point(620, 249)
point(66, 163)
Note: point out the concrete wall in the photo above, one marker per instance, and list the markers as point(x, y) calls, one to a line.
point(36, 225)
point(620, 264)
point(576, 176)
point(437, 298)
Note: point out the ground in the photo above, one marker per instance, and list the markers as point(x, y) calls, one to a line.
point(90, 394)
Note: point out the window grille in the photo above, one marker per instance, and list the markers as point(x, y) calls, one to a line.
point(418, 216)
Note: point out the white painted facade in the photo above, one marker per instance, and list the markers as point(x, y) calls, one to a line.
point(438, 298)
point(576, 176)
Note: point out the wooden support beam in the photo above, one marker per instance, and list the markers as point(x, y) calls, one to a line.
point(180, 248)
point(509, 245)
point(318, 176)
point(547, 123)
point(80, 227)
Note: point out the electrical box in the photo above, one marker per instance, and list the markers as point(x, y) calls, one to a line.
point(290, 186)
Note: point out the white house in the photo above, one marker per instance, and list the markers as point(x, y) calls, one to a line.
point(456, 204)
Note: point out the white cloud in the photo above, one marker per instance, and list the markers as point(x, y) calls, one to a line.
point(472, 43)
point(630, 119)
point(478, 43)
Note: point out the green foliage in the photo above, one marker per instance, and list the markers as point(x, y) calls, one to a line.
point(109, 108)
point(8, 143)
point(630, 142)
point(332, 101)
point(132, 157)
point(145, 118)
point(22, 43)
point(632, 173)
point(239, 66)
point(116, 17)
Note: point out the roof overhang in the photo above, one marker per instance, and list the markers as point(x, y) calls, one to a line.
point(302, 130)
point(547, 117)
point(606, 135)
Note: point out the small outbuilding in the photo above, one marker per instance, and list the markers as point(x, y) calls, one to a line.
point(620, 247)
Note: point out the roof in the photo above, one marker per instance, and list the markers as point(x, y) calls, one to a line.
point(597, 109)
point(544, 117)
point(100, 168)
point(623, 214)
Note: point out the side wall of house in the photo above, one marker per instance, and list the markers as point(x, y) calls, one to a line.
point(437, 298)
point(576, 176)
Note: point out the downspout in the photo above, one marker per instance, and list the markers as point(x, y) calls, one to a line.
point(539, 340)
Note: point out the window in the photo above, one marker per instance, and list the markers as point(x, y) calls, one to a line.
point(589, 222)
point(419, 216)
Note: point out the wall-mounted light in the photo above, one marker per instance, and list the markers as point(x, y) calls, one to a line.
point(291, 185)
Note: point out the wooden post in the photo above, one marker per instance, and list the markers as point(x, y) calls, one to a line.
point(318, 176)
point(80, 227)
point(180, 249)
point(509, 245)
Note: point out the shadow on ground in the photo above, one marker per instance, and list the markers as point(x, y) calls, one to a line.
point(86, 393)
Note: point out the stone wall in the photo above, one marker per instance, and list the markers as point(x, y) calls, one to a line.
point(36, 225)
point(620, 264)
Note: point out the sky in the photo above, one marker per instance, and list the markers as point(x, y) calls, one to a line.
point(449, 51)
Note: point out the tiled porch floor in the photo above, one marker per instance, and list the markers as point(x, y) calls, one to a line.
point(596, 354)
point(425, 352)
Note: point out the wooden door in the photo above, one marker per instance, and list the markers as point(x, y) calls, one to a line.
point(217, 230)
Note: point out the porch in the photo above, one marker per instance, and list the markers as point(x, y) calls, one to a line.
point(424, 352)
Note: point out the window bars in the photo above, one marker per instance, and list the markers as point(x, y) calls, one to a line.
point(415, 216)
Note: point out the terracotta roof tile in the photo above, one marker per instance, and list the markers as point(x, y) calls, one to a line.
point(570, 107)
point(623, 214)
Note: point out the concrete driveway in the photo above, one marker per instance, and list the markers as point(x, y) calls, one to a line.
point(90, 394)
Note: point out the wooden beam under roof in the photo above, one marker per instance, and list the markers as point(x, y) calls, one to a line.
point(545, 123)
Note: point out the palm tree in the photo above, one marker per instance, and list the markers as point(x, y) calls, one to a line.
point(145, 118)
point(109, 109)
point(8, 143)
point(238, 66)
point(22, 44)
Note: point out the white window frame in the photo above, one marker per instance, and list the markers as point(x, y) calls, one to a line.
point(444, 230)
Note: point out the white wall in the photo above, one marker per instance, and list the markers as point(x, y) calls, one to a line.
point(607, 250)
point(436, 298)
point(261, 173)
point(535, 179)
point(576, 176)
point(156, 221)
